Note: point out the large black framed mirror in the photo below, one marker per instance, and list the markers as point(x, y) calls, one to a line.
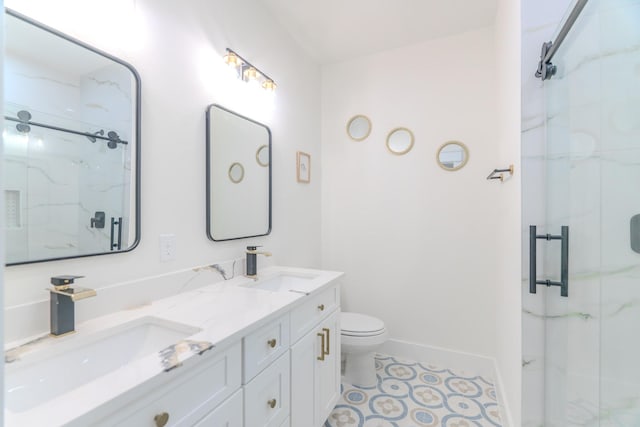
point(238, 176)
point(71, 142)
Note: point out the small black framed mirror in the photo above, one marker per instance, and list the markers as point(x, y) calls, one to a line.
point(238, 175)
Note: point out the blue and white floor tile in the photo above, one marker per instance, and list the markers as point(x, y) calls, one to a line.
point(412, 394)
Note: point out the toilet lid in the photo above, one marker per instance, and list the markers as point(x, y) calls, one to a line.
point(357, 324)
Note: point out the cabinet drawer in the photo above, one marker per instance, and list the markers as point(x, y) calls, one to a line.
point(267, 396)
point(264, 346)
point(193, 392)
point(307, 315)
point(229, 414)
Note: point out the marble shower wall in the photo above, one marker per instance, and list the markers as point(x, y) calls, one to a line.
point(59, 180)
point(591, 166)
point(620, 174)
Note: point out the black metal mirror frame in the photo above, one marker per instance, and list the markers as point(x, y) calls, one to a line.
point(208, 167)
point(138, 133)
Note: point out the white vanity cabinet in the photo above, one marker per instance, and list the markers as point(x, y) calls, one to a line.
point(229, 414)
point(263, 346)
point(280, 370)
point(267, 397)
point(266, 374)
point(185, 395)
point(315, 363)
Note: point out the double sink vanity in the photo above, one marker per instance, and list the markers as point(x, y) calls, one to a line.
point(243, 352)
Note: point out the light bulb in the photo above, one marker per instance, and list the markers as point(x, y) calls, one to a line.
point(232, 60)
point(250, 74)
point(269, 85)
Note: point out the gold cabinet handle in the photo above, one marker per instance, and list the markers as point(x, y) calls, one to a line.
point(271, 403)
point(327, 331)
point(161, 419)
point(272, 342)
point(321, 307)
point(322, 344)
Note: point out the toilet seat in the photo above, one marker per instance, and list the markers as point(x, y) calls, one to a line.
point(360, 325)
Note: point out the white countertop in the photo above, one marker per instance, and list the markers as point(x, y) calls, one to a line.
point(224, 312)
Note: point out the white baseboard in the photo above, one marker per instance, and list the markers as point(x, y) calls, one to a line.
point(456, 360)
point(460, 362)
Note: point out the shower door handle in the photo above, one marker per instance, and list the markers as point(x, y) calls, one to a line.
point(564, 260)
point(116, 244)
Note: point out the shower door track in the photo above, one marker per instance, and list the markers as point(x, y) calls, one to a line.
point(546, 69)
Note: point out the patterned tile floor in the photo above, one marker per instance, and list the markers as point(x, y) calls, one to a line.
point(411, 394)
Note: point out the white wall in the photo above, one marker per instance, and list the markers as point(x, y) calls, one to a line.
point(177, 51)
point(417, 243)
point(508, 241)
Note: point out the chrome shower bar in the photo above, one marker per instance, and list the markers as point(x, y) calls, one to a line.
point(546, 69)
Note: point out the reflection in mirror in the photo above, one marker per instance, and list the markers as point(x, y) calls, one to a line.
point(236, 173)
point(71, 147)
point(238, 196)
point(262, 155)
point(452, 155)
point(400, 141)
point(359, 128)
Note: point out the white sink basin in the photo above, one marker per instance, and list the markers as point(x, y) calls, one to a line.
point(283, 282)
point(79, 359)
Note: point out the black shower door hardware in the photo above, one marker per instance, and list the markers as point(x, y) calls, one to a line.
point(116, 244)
point(98, 220)
point(564, 260)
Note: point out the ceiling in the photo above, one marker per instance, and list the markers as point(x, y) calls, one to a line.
point(335, 30)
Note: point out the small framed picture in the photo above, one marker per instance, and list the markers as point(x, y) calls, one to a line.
point(303, 167)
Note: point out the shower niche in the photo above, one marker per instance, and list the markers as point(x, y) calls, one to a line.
point(71, 141)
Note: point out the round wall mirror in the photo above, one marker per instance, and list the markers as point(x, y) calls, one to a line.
point(262, 155)
point(236, 172)
point(359, 127)
point(400, 141)
point(452, 155)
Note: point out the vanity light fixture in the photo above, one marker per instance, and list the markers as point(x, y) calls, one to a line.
point(247, 72)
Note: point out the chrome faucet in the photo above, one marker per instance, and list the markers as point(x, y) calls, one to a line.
point(252, 260)
point(62, 303)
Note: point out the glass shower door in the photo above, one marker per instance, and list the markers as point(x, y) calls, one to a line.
point(592, 337)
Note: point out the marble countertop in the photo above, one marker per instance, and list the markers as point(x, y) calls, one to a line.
point(224, 312)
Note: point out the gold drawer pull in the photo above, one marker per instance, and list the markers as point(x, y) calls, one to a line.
point(272, 403)
point(327, 331)
point(272, 342)
point(321, 307)
point(161, 419)
point(322, 344)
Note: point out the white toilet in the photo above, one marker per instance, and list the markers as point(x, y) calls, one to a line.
point(360, 336)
